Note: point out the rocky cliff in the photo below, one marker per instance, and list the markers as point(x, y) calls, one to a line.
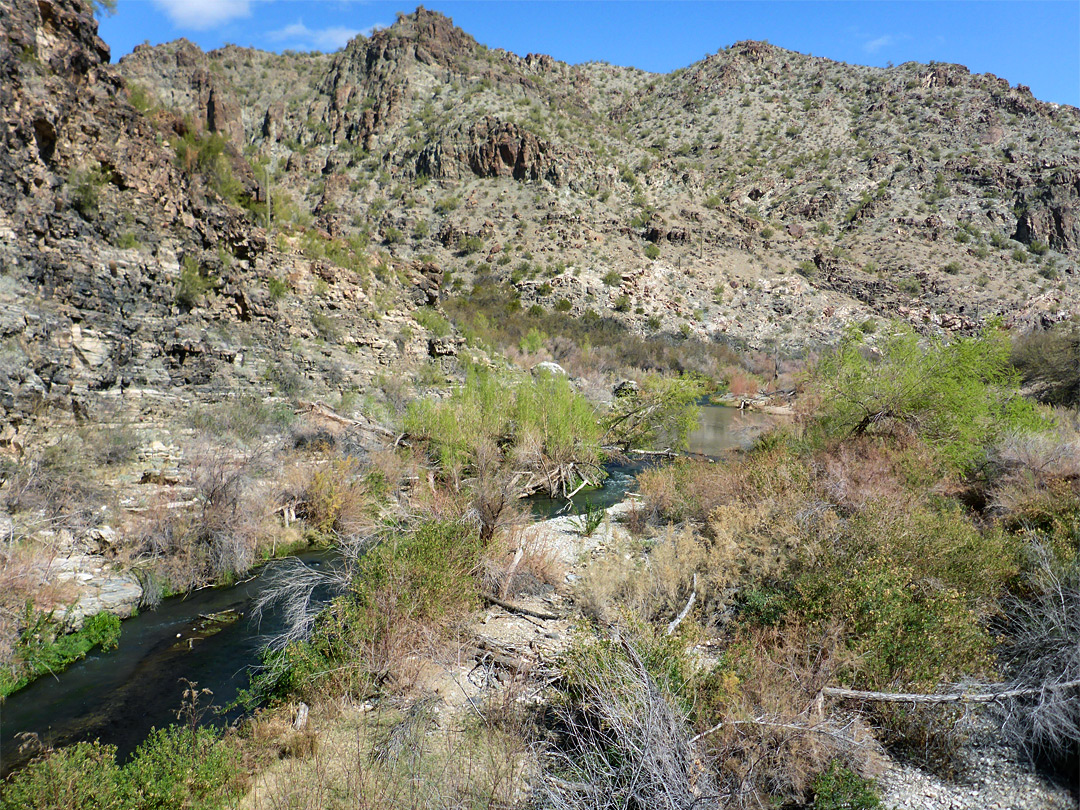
point(143, 306)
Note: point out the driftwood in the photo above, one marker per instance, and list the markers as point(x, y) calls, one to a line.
point(516, 608)
point(816, 728)
point(954, 697)
point(320, 408)
point(674, 623)
point(556, 481)
point(301, 717)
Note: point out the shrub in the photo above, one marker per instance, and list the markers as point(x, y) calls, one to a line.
point(1041, 652)
point(335, 499)
point(533, 341)
point(652, 252)
point(1047, 359)
point(470, 244)
point(412, 584)
point(277, 288)
point(433, 322)
point(173, 769)
point(326, 326)
point(183, 768)
point(139, 97)
point(909, 587)
point(960, 395)
point(612, 278)
point(193, 283)
point(84, 776)
point(662, 414)
point(85, 186)
point(840, 788)
point(624, 738)
point(540, 421)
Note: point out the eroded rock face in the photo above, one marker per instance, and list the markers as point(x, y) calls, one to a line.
point(179, 76)
point(495, 148)
point(1052, 213)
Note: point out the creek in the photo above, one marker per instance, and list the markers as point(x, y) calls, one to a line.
point(119, 695)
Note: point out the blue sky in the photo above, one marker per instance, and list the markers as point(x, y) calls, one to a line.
point(1025, 41)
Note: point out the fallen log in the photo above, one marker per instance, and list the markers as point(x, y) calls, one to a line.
point(513, 607)
point(952, 697)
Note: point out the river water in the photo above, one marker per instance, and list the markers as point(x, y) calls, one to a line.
point(118, 696)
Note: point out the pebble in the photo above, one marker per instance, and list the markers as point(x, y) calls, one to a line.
point(996, 780)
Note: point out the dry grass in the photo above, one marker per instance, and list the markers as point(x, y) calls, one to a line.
point(865, 469)
point(389, 758)
point(24, 578)
point(521, 562)
point(1037, 473)
point(622, 740)
point(772, 735)
point(692, 490)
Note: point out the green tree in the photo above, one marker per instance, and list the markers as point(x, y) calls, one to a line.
point(660, 415)
point(960, 395)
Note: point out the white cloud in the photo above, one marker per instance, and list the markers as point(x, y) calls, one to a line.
point(875, 45)
point(202, 14)
point(330, 38)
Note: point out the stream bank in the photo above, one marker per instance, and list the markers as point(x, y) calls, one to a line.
point(119, 695)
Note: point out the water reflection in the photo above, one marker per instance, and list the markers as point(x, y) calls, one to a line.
point(722, 428)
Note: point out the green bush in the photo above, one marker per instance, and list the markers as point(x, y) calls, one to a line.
point(432, 321)
point(43, 648)
point(544, 413)
point(960, 395)
point(277, 288)
point(533, 341)
point(85, 186)
point(839, 788)
point(414, 578)
point(193, 283)
point(470, 244)
point(173, 769)
point(909, 586)
point(183, 768)
point(661, 415)
point(84, 776)
point(652, 252)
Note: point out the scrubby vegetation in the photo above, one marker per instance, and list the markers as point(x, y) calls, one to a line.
point(542, 427)
point(412, 582)
point(176, 768)
point(916, 527)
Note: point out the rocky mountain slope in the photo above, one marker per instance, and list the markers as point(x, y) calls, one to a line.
point(759, 196)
